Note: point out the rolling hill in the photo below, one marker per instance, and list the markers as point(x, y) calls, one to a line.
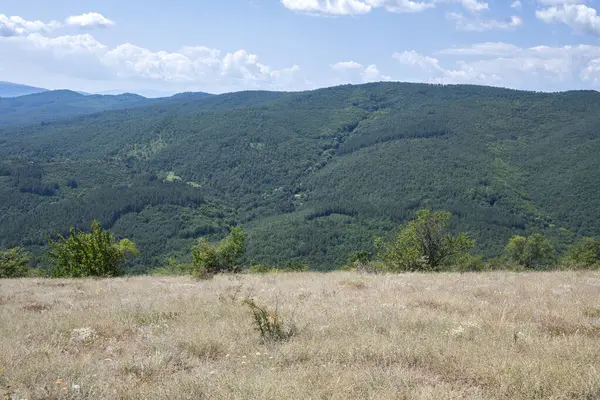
point(9, 89)
point(312, 176)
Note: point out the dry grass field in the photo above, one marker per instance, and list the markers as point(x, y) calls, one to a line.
point(415, 336)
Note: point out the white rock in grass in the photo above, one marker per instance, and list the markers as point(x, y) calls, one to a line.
point(83, 334)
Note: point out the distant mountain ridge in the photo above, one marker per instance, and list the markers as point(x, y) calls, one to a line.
point(9, 89)
point(53, 105)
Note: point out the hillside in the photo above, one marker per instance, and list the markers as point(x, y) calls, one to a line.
point(311, 176)
point(9, 89)
point(56, 104)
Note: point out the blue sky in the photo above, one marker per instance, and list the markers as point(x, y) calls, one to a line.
point(153, 47)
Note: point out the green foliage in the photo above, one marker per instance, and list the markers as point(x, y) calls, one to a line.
point(471, 263)
point(172, 268)
point(295, 266)
point(585, 253)
point(13, 263)
point(324, 170)
point(260, 269)
point(425, 244)
point(209, 260)
point(362, 257)
point(269, 324)
point(536, 251)
point(89, 254)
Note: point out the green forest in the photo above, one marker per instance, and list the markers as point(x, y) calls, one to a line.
point(312, 177)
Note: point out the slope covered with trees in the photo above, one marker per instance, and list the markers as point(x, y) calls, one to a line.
point(312, 176)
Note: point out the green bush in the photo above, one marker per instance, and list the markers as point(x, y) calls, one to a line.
point(89, 254)
point(269, 324)
point(260, 269)
point(586, 253)
point(172, 268)
point(13, 263)
point(536, 251)
point(471, 263)
point(424, 244)
point(295, 266)
point(209, 260)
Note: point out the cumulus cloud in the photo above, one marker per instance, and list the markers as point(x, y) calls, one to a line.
point(345, 65)
point(17, 26)
point(517, 5)
point(357, 7)
point(190, 65)
point(89, 20)
point(474, 5)
point(353, 72)
point(484, 49)
point(559, 2)
point(464, 23)
point(504, 64)
point(580, 17)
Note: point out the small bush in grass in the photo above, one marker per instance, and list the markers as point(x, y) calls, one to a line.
point(173, 268)
point(295, 266)
point(586, 253)
point(210, 260)
point(471, 263)
point(89, 254)
point(424, 244)
point(13, 263)
point(533, 252)
point(260, 269)
point(269, 324)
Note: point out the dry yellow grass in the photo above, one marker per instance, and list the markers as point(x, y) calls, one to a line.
point(415, 336)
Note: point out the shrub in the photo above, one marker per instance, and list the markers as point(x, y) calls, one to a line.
point(295, 266)
point(209, 260)
point(13, 263)
point(362, 257)
point(89, 254)
point(424, 244)
point(471, 263)
point(533, 252)
point(260, 269)
point(269, 324)
point(172, 268)
point(586, 253)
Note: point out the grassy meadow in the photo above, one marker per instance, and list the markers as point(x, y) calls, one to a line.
point(497, 335)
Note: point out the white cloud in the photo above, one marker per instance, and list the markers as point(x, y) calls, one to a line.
point(517, 5)
point(592, 72)
point(484, 49)
point(464, 23)
point(343, 65)
point(353, 72)
point(189, 66)
point(474, 5)
point(17, 26)
point(372, 74)
point(331, 7)
point(403, 6)
point(502, 64)
point(559, 2)
point(357, 7)
point(414, 59)
point(578, 16)
point(90, 20)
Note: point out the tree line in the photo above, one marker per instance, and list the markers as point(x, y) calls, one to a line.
point(423, 244)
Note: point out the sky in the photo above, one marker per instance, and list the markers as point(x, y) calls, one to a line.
point(154, 47)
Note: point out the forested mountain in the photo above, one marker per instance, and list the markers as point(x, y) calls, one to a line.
point(312, 176)
point(9, 89)
point(52, 105)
